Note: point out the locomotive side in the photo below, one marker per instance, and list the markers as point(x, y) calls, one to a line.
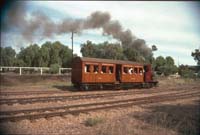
point(100, 73)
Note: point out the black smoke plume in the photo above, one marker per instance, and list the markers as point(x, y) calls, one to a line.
point(37, 22)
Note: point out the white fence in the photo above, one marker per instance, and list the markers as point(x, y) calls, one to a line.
point(20, 69)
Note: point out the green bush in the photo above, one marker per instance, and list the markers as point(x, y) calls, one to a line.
point(187, 73)
point(198, 74)
point(93, 121)
point(54, 68)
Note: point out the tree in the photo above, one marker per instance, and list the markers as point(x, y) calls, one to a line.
point(30, 55)
point(109, 51)
point(48, 54)
point(159, 63)
point(133, 55)
point(54, 68)
point(169, 69)
point(60, 54)
point(19, 63)
point(45, 54)
point(165, 65)
point(66, 56)
point(154, 48)
point(196, 56)
point(136, 51)
point(198, 74)
point(54, 54)
point(185, 72)
point(88, 49)
point(103, 50)
point(7, 56)
point(169, 60)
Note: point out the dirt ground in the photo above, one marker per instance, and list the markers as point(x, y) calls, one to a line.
point(180, 117)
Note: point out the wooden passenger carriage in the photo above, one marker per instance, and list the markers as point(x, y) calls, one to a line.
point(94, 72)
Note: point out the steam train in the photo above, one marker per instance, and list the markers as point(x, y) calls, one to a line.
point(98, 73)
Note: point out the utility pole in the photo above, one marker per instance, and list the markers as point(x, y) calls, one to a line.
point(72, 43)
point(72, 37)
point(178, 61)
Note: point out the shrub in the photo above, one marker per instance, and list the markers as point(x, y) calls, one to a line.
point(198, 74)
point(187, 73)
point(54, 68)
point(93, 121)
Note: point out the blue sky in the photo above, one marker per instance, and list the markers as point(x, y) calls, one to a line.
point(172, 26)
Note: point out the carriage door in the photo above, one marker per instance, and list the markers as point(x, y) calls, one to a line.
point(118, 73)
point(96, 77)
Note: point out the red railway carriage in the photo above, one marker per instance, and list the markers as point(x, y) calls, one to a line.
point(94, 72)
point(91, 71)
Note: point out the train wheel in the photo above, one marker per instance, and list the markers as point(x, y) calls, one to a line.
point(77, 86)
point(141, 85)
point(81, 87)
point(117, 86)
point(101, 87)
point(86, 87)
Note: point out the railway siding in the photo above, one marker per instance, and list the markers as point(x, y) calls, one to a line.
point(81, 108)
point(43, 99)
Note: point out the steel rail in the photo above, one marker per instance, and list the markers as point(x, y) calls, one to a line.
point(82, 105)
point(2, 93)
point(11, 101)
point(30, 92)
point(95, 106)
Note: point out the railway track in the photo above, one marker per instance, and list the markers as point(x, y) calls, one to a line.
point(82, 108)
point(11, 101)
point(14, 93)
point(8, 93)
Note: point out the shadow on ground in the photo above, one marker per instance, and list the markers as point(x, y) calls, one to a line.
point(65, 88)
point(73, 89)
point(184, 119)
point(14, 80)
point(4, 131)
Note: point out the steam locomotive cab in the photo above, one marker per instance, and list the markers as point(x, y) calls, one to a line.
point(148, 75)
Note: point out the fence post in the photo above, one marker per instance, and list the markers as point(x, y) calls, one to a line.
point(40, 71)
point(59, 71)
point(20, 71)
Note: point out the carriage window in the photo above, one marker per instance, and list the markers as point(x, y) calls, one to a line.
point(110, 70)
point(146, 69)
point(140, 71)
point(126, 70)
point(130, 70)
point(135, 70)
point(96, 69)
point(87, 68)
point(103, 69)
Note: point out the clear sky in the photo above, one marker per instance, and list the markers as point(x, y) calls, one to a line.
point(174, 27)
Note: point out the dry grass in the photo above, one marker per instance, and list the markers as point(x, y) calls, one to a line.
point(183, 119)
point(170, 81)
point(116, 127)
point(15, 80)
point(93, 121)
point(34, 83)
point(165, 119)
point(127, 125)
point(157, 120)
